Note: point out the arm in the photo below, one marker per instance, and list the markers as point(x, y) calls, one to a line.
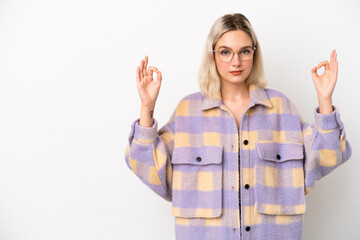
point(325, 142)
point(325, 146)
point(148, 152)
point(148, 155)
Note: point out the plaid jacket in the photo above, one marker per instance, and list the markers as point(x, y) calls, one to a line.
point(201, 163)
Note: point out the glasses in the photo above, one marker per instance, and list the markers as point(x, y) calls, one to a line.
point(226, 55)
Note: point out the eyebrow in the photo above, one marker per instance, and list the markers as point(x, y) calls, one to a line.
point(232, 49)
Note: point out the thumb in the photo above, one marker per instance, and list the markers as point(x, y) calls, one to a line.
point(158, 79)
point(151, 70)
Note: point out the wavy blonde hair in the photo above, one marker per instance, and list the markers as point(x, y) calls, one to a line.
point(209, 78)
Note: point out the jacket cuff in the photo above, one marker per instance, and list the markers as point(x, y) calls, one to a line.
point(143, 134)
point(328, 121)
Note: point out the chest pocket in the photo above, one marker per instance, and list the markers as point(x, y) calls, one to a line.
point(279, 176)
point(197, 182)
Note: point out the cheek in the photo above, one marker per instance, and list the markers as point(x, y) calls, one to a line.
point(249, 65)
point(221, 66)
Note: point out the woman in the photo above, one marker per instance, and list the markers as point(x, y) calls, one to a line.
point(236, 159)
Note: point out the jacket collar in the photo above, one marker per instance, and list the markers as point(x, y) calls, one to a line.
point(257, 96)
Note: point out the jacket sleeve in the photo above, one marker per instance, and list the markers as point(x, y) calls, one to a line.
point(325, 146)
point(148, 155)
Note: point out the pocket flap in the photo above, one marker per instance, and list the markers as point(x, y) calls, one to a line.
point(198, 156)
point(279, 209)
point(279, 152)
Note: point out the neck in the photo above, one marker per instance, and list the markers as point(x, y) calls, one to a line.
point(234, 92)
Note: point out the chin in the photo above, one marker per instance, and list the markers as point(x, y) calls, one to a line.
point(235, 80)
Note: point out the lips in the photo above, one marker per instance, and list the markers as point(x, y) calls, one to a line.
point(236, 72)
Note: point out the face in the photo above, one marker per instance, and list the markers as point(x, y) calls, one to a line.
point(235, 41)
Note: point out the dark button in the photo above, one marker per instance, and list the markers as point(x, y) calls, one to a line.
point(247, 228)
point(278, 156)
point(246, 142)
point(198, 159)
point(247, 186)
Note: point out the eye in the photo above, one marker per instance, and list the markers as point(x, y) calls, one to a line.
point(225, 52)
point(246, 51)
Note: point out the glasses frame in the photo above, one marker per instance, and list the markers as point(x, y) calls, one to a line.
point(233, 53)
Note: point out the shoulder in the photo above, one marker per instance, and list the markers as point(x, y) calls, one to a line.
point(273, 93)
point(281, 101)
point(193, 98)
point(190, 103)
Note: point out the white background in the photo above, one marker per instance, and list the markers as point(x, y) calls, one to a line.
point(68, 97)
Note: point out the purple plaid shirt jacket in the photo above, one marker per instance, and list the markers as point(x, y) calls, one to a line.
point(229, 184)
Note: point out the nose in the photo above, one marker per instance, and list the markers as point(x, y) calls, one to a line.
point(236, 61)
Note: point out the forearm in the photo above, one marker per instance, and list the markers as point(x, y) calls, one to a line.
point(146, 116)
point(325, 105)
point(326, 146)
point(148, 155)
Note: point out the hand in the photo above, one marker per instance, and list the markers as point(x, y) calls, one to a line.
point(325, 83)
point(148, 89)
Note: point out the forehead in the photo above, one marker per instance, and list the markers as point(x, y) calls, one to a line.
point(234, 39)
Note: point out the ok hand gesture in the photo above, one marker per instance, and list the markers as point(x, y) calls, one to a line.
point(325, 83)
point(148, 89)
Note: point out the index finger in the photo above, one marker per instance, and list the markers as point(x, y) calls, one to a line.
point(325, 64)
point(151, 68)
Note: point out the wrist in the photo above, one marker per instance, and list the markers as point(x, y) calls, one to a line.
point(324, 99)
point(148, 106)
point(146, 115)
point(325, 105)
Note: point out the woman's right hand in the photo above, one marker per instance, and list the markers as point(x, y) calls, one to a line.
point(148, 89)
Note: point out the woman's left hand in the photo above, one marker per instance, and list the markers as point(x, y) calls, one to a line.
point(325, 83)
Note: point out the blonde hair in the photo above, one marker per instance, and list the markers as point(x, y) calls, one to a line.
point(209, 78)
